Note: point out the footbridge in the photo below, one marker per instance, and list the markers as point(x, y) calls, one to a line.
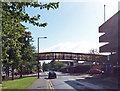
point(71, 56)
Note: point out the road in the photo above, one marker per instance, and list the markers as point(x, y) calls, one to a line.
point(76, 82)
point(65, 81)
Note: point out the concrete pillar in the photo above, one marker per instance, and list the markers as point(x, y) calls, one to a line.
point(68, 63)
point(75, 63)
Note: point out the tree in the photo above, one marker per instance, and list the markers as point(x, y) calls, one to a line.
point(26, 50)
point(94, 51)
point(59, 65)
point(54, 65)
point(10, 46)
point(13, 13)
point(45, 66)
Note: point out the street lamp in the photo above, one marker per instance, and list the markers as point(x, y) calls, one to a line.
point(38, 55)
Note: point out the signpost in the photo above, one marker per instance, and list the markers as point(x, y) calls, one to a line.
point(108, 57)
point(107, 65)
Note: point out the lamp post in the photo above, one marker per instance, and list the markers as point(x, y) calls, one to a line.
point(38, 56)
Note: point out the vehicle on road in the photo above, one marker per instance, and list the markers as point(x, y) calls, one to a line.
point(40, 70)
point(52, 74)
point(96, 71)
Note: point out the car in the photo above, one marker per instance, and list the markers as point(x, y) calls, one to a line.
point(40, 70)
point(96, 71)
point(3, 75)
point(52, 74)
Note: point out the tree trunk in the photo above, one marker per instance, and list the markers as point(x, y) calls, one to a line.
point(0, 73)
point(12, 73)
point(8, 71)
point(21, 71)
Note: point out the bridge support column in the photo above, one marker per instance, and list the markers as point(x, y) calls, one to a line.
point(75, 62)
point(70, 63)
point(38, 69)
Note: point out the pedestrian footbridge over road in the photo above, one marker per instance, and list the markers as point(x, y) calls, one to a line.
point(71, 56)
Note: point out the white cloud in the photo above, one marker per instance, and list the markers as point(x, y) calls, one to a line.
point(77, 47)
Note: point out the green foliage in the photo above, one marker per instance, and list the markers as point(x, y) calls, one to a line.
point(45, 67)
point(16, 48)
point(16, 11)
point(53, 65)
point(59, 65)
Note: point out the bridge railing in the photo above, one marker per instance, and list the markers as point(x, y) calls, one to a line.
point(71, 56)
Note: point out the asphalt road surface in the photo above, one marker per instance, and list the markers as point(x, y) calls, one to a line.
point(78, 82)
point(66, 81)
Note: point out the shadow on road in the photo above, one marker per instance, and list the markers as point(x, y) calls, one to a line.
point(75, 85)
point(106, 82)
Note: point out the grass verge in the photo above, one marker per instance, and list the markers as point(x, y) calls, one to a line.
point(22, 83)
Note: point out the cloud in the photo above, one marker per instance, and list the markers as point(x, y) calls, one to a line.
point(77, 47)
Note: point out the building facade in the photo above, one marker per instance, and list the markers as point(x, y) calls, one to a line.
point(110, 30)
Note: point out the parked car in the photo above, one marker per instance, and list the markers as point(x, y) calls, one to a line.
point(96, 71)
point(52, 74)
point(3, 75)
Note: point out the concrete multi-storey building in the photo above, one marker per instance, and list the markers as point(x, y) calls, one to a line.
point(110, 28)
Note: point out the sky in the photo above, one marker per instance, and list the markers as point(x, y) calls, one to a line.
point(73, 27)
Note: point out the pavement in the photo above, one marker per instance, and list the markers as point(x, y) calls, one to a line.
point(40, 84)
point(0, 87)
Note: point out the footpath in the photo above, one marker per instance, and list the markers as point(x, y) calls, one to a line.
point(42, 83)
point(0, 87)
